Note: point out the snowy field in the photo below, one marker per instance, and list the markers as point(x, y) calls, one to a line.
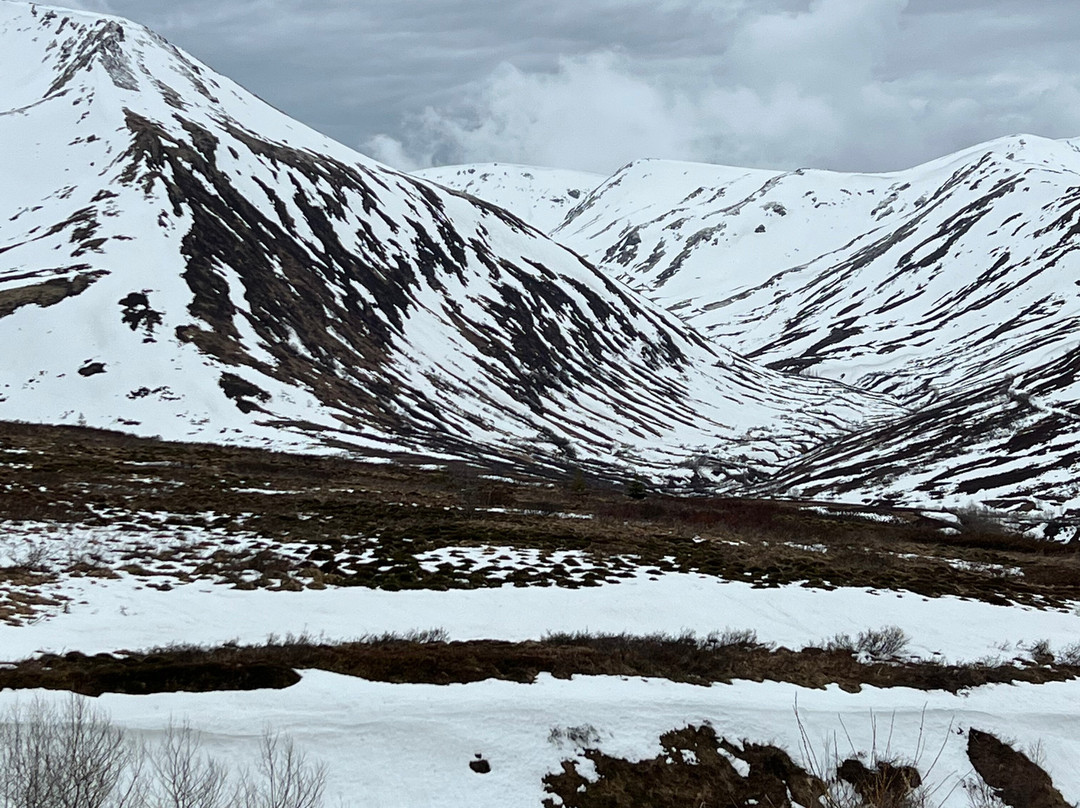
point(110, 614)
point(409, 746)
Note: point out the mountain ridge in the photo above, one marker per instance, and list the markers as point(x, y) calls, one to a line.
point(927, 284)
point(230, 275)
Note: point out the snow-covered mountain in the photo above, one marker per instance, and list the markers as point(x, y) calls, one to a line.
point(540, 196)
point(888, 281)
point(179, 258)
point(952, 286)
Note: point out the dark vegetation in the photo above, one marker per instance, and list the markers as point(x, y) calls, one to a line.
point(366, 523)
point(1015, 779)
point(429, 658)
point(697, 768)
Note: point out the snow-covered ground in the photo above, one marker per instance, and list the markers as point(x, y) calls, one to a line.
point(110, 614)
point(410, 745)
point(650, 394)
point(398, 746)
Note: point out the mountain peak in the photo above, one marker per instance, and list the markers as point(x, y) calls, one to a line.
point(179, 258)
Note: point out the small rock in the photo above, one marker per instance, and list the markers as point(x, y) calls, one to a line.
point(92, 368)
point(480, 766)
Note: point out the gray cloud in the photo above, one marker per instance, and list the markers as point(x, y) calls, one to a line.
point(845, 84)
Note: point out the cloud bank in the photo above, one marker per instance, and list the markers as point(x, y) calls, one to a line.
point(824, 87)
point(870, 85)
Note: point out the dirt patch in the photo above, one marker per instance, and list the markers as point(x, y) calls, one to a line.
point(1015, 779)
point(887, 785)
point(697, 768)
point(689, 771)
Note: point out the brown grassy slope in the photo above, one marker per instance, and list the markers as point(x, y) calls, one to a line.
point(344, 509)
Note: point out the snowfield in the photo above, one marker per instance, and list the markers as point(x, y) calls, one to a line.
point(406, 746)
point(105, 615)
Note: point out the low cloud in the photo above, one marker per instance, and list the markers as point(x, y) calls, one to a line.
point(592, 112)
point(868, 85)
point(825, 87)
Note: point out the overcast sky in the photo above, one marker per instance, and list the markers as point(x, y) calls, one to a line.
point(853, 85)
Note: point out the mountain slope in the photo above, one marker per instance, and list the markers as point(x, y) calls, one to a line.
point(882, 280)
point(540, 196)
point(179, 258)
point(952, 286)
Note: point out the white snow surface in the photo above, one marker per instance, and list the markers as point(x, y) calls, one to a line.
point(410, 745)
point(393, 746)
point(71, 80)
point(951, 285)
point(108, 614)
point(540, 196)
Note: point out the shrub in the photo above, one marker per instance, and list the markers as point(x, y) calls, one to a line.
point(875, 777)
point(72, 756)
point(585, 736)
point(183, 776)
point(730, 637)
point(1041, 652)
point(287, 779)
point(1070, 654)
point(883, 643)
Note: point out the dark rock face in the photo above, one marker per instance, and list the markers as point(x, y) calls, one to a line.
point(50, 292)
point(1015, 779)
point(137, 314)
point(296, 291)
point(92, 369)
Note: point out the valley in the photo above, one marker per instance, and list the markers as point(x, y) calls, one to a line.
point(500, 485)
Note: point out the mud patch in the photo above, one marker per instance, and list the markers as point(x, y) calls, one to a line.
point(695, 768)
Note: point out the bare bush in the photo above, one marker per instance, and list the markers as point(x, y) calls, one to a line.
point(585, 736)
point(287, 779)
point(65, 757)
point(878, 777)
point(732, 638)
point(883, 643)
point(1041, 652)
point(980, 795)
point(1069, 655)
point(72, 756)
point(184, 776)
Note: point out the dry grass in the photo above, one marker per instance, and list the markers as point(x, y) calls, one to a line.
point(428, 657)
point(365, 524)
